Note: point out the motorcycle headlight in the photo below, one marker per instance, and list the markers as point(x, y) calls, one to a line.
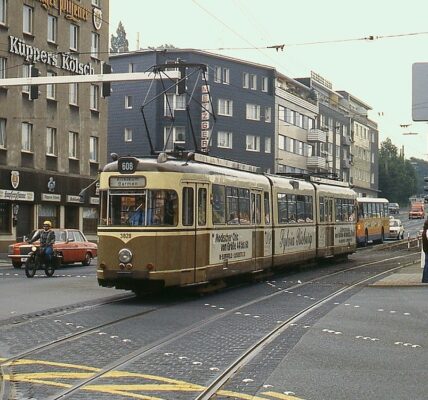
point(125, 256)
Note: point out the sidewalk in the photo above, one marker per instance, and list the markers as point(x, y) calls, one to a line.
point(406, 276)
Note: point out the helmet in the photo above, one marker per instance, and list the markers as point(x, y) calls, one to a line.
point(48, 223)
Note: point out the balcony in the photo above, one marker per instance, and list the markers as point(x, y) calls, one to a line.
point(316, 135)
point(316, 162)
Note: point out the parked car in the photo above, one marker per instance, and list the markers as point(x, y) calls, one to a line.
point(71, 244)
point(396, 229)
point(393, 208)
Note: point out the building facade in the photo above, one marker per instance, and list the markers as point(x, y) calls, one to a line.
point(252, 114)
point(227, 110)
point(52, 137)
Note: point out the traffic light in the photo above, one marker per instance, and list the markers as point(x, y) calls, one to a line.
point(181, 85)
point(34, 89)
point(106, 88)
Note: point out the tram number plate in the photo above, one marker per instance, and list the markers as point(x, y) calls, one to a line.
point(124, 274)
point(125, 236)
point(127, 165)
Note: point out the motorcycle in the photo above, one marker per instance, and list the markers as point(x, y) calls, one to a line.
point(36, 260)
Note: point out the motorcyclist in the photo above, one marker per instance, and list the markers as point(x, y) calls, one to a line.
point(47, 240)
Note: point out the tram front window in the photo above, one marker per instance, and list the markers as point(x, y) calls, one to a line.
point(143, 208)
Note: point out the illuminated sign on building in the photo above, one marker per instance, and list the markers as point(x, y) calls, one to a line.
point(64, 61)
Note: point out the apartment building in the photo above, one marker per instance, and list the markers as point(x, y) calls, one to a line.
point(52, 137)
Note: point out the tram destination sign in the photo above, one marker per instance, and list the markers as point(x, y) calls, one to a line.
point(127, 181)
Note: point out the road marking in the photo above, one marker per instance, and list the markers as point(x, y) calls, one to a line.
point(161, 384)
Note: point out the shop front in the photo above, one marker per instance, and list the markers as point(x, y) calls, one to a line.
point(28, 198)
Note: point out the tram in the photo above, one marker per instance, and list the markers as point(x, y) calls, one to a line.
point(169, 221)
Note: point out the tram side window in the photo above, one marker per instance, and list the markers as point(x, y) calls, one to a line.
point(300, 207)
point(365, 210)
point(232, 205)
point(309, 209)
point(291, 208)
point(103, 208)
point(322, 210)
point(202, 206)
point(218, 205)
point(187, 206)
point(267, 208)
point(339, 210)
point(282, 208)
point(244, 206)
point(256, 208)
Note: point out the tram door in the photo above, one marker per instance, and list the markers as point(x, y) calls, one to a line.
point(194, 214)
point(257, 234)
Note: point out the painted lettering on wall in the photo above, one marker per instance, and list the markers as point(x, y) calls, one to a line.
point(70, 9)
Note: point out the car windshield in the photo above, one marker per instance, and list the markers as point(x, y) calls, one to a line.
point(394, 223)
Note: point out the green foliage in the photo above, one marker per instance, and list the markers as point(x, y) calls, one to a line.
point(119, 43)
point(397, 176)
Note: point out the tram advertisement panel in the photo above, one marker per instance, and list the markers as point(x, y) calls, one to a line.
point(292, 239)
point(344, 234)
point(233, 245)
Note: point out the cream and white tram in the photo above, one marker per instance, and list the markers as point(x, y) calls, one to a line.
point(173, 222)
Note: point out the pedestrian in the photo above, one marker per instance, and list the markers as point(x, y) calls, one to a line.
point(425, 249)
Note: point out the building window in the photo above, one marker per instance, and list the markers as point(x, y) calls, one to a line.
point(95, 95)
point(90, 220)
point(73, 94)
point(74, 37)
point(93, 149)
point(264, 84)
point(245, 80)
point(96, 3)
point(26, 73)
point(173, 102)
point(50, 89)
point(224, 140)
point(221, 75)
point(225, 107)
point(128, 135)
point(2, 133)
point(253, 82)
point(268, 114)
point(253, 143)
point(27, 137)
point(131, 67)
point(52, 28)
point(73, 144)
point(3, 61)
point(51, 146)
point(3, 12)
point(95, 44)
point(128, 102)
point(253, 112)
point(174, 135)
point(268, 145)
point(27, 20)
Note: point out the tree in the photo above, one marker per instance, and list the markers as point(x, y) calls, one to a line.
point(165, 46)
point(119, 43)
point(397, 176)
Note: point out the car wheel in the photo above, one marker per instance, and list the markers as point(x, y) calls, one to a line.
point(87, 260)
point(17, 264)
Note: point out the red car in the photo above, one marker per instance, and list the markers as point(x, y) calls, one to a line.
point(71, 244)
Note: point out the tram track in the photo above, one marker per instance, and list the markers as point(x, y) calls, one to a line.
point(233, 367)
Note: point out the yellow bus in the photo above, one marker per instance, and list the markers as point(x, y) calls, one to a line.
point(372, 220)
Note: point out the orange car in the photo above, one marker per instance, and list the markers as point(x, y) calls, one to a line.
point(71, 244)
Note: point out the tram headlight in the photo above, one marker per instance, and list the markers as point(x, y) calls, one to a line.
point(125, 256)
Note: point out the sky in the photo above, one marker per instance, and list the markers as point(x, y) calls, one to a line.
point(321, 36)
